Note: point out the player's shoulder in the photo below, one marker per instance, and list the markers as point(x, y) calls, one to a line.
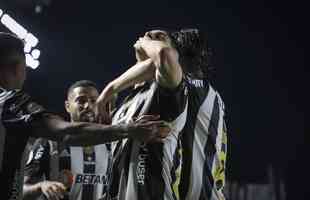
point(19, 102)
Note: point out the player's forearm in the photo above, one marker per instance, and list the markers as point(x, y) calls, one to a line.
point(140, 72)
point(78, 133)
point(168, 70)
point(31, 191)
point(84, 134)
point(153, 50)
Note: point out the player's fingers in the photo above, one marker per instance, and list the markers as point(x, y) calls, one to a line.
point(144, 118)
point(152, 124)
point(60, 187)
point(46, 194)
point(56, 192)
point(50, 195)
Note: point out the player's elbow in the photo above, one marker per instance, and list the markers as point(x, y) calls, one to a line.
point(169, 72)
point(163, 54)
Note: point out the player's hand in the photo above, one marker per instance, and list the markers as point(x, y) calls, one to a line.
point(148, 43)
point(139, 52)
point(158, 35)
point(103, 107)
point(147, 128)
point(53, 190)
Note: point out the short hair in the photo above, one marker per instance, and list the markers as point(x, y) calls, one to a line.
point(81, 83)
point(10, 47)
point(192, 47)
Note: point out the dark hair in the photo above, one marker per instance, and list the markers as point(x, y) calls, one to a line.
point(81, 83)
point(192, 47)
point(10, 48)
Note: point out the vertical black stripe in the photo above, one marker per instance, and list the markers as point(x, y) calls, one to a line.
point(121, 169)
point(196, 97)
point(65, 161)
point(117, 166)
point(11, 165)
point(88, 189)
point(154, 184)
point(209, 150)
point(106, 189)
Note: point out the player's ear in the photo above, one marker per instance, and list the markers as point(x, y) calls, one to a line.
point(67, 106)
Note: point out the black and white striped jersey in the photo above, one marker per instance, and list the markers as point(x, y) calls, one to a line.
point(17, 114)
point(204, 144)
point(84, 170)
point(149, 171)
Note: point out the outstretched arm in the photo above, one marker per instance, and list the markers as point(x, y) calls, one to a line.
point(84, 134)
point(140, 72)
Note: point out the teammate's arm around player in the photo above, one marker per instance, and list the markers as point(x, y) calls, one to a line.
point(84, 133)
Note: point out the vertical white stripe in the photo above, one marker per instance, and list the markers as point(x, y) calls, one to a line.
point(216, 161)
point(102, 158)
point(200, 140)
point(77, 167)
point(170, 146)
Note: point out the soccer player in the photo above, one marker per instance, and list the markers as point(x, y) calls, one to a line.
point(22, 118)
point(84, 171)
point(197, 155)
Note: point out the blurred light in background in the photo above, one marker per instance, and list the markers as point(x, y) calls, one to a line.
point(35, 53)
point(30, 40)
point(31, 62)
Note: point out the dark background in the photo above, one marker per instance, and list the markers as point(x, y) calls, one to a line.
point(260, 57)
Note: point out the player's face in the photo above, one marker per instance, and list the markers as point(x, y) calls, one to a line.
point(81, 104)
point(18, 72)
point(21, 73)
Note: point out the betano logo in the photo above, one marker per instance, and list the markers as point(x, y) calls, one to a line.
point(68, 178)
point(92, 179)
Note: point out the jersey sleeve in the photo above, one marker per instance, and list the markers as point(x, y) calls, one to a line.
point(171, 102)
point(20, 112)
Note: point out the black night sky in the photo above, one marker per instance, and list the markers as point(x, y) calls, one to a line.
point(260, 50)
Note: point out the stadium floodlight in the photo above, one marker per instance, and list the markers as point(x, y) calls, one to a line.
point(35, 53)
point(30, 62)
point(13, 26)
point(35, 64)
point(31, 39)
point(27, 48)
